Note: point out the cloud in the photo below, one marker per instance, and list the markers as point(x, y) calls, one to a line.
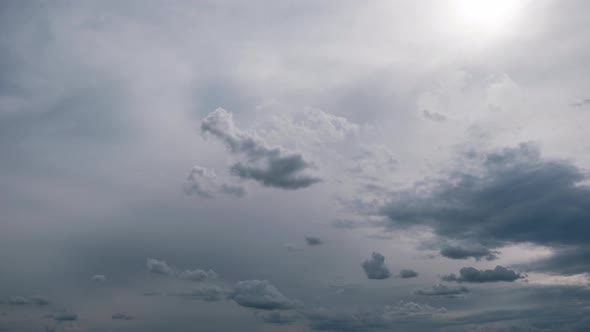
point(62, 317)
point(471, 274)
point(581, 103)
point(120, 316)
point(278, 317)
point(313, 241)
point(270, 166)
point(98, 278)
point(405, 274)
point(159, 267)
point(443, 290)
point(458, 252)
point(434, 116)
point(375, 267)
point(260, 294)
point(24, 300)
point(203, 182)
point(205, 292)
point(514, 197)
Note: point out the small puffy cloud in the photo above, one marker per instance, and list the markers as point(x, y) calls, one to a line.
point(198, 274)
point(458, 252)
point(260, 294)
point(159, 267)
point(471, 274)
point(375, 267)
point(120, 316)
point(98, 278)
point(203, 182)
point(270, 166)
point(405, 274)
point(443, 290)
point(434, 116)
point(205, 292)
point(64, 316)
point(313, 241)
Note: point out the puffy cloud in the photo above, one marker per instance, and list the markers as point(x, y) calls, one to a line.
point(458, 252)
point(205, 292)
point(260, 294)
point(515, 197)
point(375, 267)
point(159, 267)
point(98, 278)
point(269, 166)
point(120, 316)
point(443, 290)
point(434, 116)
point(313, 241)
point(471, 274)
point(405, 274)
point(203, 182)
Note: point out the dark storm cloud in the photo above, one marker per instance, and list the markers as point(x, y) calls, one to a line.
point(434, 116)
point(581, 103)
point(443, 290)
point(458, 252)
point(567, 260)
point(406, 274)
point(375, 267)
point(517, 197)
point(260, 294)
point(471, 274)
point(313, 241)
point(269, 166)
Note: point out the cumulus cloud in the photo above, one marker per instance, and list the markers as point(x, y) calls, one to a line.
point(203, 182)
point(161, 267)
point(434, 116)
point(375, 267)
point(269, 166)
point(471, 274)
point(205, 292)
point(443, 290)
point(405, 274)
point(459, 252)
point(260, 294)
point(313, 241)
point(514, 197)
point(120, 316)
point(98, 278)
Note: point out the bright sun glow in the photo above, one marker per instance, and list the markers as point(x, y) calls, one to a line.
point(487, 15)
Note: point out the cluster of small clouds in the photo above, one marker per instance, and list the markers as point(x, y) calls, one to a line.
point(156, 266)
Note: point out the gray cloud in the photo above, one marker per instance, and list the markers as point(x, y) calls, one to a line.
point(270, 166)
point(516, 197)
point(434, 116)
point(260, 294)
point(203, 182)
point(471, 274)
point(205, 292)
point(313, 241)
point(198, 274)
point(120, 316)
point(278, 317)
point(161, 267)
point(375, 267)
point(24, 300)
point(98, 278)
point(63, 316)
point(443, 290)
point(405, 274)
point(581, 103)
point(459, 252)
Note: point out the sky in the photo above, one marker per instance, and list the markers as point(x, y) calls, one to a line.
point(294, 166)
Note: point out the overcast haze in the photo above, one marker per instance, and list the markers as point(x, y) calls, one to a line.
point(295, 166)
